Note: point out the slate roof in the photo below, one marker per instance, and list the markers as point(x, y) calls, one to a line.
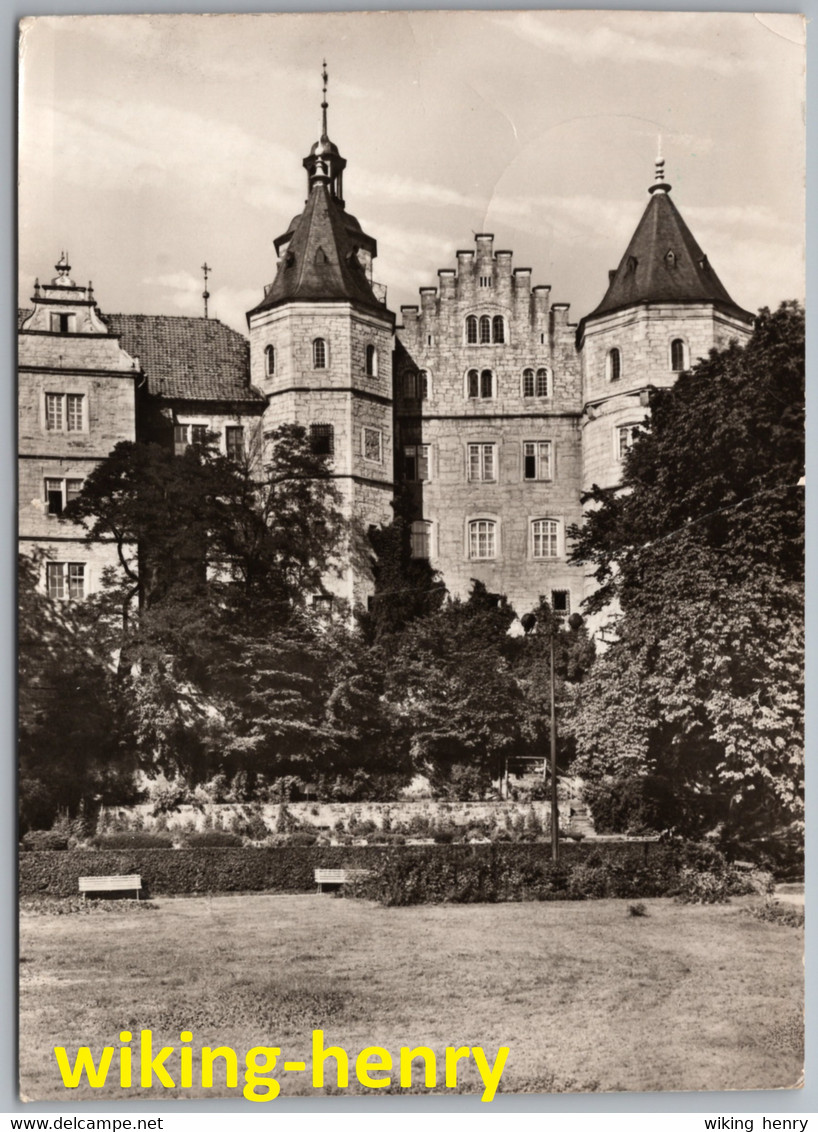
point(663, 263)
point(319, 261)
point(196, 359)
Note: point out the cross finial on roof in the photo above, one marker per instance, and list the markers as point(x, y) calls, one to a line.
point(324, 103)
point(205, 294)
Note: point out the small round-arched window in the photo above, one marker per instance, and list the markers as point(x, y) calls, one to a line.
point(270, 361)
point(371, 361)
point(614, 364)
point(319, 354)
point(678, 361)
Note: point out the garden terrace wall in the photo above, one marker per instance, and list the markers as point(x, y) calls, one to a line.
point(199, 871)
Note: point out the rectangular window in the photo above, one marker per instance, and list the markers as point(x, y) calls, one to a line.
point(482, 539)
point(54, 411)
point(198, 433)
point(372, 445)
point(545, 538)
point(73, 403)
point(537, 460)
point(482, 462)
point(322, 439)
point(65, 580)
point(62, 323)
point(421, 539)
point(60, 492)
point(179, 439)
point(560, 603)
point(625, 436)
point(416, 463)
point(234, 442)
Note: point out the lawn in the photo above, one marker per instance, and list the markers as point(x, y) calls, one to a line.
point(585, 996)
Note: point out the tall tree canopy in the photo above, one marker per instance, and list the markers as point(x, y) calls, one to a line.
point(701, 553)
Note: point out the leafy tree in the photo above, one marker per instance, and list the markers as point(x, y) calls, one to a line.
point(701, 553)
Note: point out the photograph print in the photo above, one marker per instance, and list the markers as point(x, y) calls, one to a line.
point(411, 577)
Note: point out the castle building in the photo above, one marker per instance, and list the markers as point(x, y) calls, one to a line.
point(487, 409)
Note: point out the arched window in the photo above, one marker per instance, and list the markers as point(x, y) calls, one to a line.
point(614, 364)
point(528, 383)
point(677, 355)
point(542, 382)
point(270, 361)
point(423, 384)
point(499, 328)
point(319, 354)
point(371, 361)
point(410, 385)
point(473, 383)
point(471, 330)
point(482, 538)
point(485, 329)
point(545, 538)
point(486, 383)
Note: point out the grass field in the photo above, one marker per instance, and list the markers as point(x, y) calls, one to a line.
point(585, 996)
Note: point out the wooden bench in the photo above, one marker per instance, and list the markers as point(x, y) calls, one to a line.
point(110, 884)
point(337, 877)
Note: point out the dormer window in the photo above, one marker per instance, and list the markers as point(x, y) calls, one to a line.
point(371, 361)
point(319, 354)
point(670, 258)
point(270, 361)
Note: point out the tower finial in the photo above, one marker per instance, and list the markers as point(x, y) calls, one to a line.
point(659, 185)
point(324, 104)
point(205, 294)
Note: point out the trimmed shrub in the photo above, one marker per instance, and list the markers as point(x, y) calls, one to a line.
point(704, 887)
point(213, 839)
point(38, 840)
point(137, 839)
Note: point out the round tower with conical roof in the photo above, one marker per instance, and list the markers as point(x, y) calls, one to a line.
point(321, 351)
point(664, 308)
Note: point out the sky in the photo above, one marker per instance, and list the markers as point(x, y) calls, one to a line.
point(151, 144)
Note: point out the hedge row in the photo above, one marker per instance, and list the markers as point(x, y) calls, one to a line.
point(285, 869)
point(692, 873)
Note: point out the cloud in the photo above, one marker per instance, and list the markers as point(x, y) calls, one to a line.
point(587, 42)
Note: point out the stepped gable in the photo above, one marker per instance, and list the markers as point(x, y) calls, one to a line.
point(321, 262)
point(664, 264)
point(199, 359)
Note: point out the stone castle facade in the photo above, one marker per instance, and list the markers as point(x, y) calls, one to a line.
point(487, 408)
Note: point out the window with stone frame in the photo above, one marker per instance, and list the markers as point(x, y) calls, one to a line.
point(545, 538)
point(624, 438)
point(536, 384)
point(270, 361)
point(613, 364)
point(678, 355)
point(537, 460)
point(65, 580)
point(482, 538)
point(59, 492)
point(372, 444)
point(561, 603)
point(234, 442)
point(482, 463)
point(371, 361)
point(498, 329)
point(423, 384)
point(485, 330)
point(471, 330)
point(421, 539)
point(62, 323)
point(319, 353)
point(416, 463)
point(322, 439)
point(64, 412)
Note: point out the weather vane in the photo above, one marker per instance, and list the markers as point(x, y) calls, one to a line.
point(205, 294)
